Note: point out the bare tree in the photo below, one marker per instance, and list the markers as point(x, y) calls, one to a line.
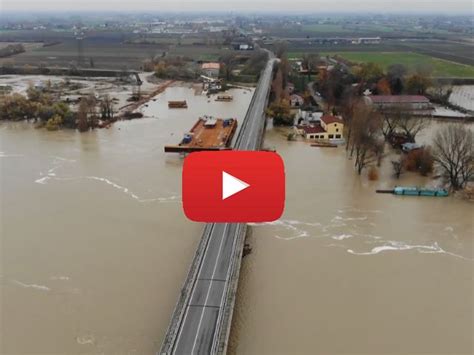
point(310, 62)
point(398, 167)
point(285, 68)
point(441, 93)
point(107, 107)
point(390, 121)
point(366, 127)
point(400, 119)
point(229, 62)
point(454, 154)
point(281, 48)
point(411, 125)
point(82, 121)
point(348, 108)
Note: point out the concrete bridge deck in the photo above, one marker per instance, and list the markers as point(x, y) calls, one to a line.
point(202, 318)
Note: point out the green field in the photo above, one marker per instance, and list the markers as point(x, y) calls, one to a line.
point(325, 28)
point(441, 68)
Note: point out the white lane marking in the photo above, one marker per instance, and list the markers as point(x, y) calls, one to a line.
point(210, 287)
point(194, 288)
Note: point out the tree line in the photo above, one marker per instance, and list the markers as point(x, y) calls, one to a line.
point(45, 109)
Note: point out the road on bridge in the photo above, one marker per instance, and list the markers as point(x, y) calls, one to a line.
point(204, 323)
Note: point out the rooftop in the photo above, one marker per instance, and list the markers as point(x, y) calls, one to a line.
point(312, 129)
point(328, 119)
point(212, 65)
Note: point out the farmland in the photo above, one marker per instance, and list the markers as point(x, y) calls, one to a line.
point(345, 29)
point(110, 53)
point(459, 52)
point(326, 28)
point(440, 67)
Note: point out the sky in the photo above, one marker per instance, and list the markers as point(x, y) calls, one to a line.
point(321, 6)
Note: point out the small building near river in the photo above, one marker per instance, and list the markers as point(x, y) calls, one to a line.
point(329, 128)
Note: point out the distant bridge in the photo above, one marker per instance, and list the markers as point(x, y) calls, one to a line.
point(202, 318)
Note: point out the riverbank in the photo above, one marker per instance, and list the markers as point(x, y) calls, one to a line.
point(108, 99)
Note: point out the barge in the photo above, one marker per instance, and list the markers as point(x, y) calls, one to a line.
point(225, 98)
point(208, 133)
point(177, 104)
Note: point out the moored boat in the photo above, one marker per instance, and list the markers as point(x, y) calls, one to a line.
point(224, 98)
point(416, 191)
point(420, 191)
point(178, 104)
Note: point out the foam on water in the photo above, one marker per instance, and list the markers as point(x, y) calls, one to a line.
point(339, 218)
point(5, 155)
point(52, 176)
point(402, 246)
point(299, 229)
point(292, 225)
point(85, 339)
point(59, 278)
point(33, 286)
point(342, 236)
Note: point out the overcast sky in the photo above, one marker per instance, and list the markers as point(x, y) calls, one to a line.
point(380, 6)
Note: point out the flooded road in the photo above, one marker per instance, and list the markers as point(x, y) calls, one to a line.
point(95, 248)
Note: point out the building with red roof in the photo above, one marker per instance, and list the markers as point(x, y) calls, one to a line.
point(329, 128)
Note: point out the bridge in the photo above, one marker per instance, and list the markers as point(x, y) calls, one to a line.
point(202, 317)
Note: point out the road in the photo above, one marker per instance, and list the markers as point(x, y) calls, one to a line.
point(201, 322)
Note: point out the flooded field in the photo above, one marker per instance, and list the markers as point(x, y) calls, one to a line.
point(95, 247)
point(71, 88)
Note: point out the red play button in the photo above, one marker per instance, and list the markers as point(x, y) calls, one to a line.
point(233, 186)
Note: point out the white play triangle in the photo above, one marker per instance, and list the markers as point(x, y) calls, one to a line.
point(231, 185)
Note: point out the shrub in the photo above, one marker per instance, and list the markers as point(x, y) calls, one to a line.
point(419, 160)
point(373, 174)
point(54, 123)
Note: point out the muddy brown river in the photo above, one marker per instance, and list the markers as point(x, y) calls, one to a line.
point(95, 248)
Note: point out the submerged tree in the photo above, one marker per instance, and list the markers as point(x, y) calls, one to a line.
point(401, 119)
point(398, 167)
point(453, 149)
point(107, 107)
point(82, 115)
point(349, 105)
point(365, 143)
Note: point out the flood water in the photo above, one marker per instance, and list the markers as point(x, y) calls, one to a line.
point(95, 248)
point(348, 271)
